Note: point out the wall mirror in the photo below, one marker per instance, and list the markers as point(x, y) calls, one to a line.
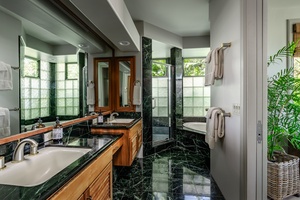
point(102, 75)
point(114, 83)
point(50, 36)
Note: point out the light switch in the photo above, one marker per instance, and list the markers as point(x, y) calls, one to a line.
point(236, 109)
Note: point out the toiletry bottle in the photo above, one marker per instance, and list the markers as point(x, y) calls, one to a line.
point(57, 132)
point(100, 118)
point(40, 124)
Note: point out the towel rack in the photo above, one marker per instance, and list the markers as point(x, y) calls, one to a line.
point(224, 114)
point(136, 81)
point(226, 45)
point(15, 68)
point(14, 109)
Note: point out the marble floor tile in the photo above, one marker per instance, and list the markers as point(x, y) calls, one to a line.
point(174, 174)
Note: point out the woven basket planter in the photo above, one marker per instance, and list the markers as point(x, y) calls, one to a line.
point(283, 176)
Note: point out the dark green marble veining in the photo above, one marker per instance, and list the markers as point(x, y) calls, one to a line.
point(176, 173)
point(147, 94)
point(176, 60)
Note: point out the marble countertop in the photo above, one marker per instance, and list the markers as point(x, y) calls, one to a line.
point(116, 125)
point(98, 144)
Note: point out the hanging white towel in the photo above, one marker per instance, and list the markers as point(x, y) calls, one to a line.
point(214, 126)
point(220, 64)
point(137, 94)
point(214, 67)
point(210, 67)
point(90, 99)
point(5, 76)
point(4, 122)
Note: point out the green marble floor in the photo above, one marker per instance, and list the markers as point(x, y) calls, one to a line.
point(174, 174)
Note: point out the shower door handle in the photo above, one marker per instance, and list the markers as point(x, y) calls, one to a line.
point(153, 103)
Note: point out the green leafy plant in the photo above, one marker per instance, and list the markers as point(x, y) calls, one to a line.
point(283, 105)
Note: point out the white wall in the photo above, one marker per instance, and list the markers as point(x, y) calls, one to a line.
point(9, 53)
point(278, 14)
point(225, 19)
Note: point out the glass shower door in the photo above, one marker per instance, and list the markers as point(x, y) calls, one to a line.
point(161, 109)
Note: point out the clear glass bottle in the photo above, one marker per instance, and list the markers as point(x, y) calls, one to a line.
point(57, 132)
point(100, 118)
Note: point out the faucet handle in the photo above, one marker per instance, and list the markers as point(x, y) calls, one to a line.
point(2, 162)
point(33, 149)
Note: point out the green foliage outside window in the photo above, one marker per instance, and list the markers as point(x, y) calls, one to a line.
point(158, 68)
point(194, 67)
point(31, 68)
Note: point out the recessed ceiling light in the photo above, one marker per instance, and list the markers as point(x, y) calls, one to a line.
point(82, 45)
point(124, 43)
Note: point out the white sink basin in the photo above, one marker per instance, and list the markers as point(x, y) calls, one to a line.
point(121, 120)
point(39, 168)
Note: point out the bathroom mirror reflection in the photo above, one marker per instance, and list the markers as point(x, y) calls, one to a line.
point(124, 80)
point(103, 83)
point(114, 80)
point(55, 48)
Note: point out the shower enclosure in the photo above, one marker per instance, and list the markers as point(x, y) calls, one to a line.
point(162, 130)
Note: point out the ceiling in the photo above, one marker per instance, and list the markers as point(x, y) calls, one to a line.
point(176, 16)
point(184, 18)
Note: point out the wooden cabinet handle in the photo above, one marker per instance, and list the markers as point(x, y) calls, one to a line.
point(89, 198)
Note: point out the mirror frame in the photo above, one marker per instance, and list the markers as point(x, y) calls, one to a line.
point(96, 61)
point(114, 84)
point(131, 107)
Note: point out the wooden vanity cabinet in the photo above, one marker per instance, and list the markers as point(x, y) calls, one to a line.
point(131, 143)
point(93, 182)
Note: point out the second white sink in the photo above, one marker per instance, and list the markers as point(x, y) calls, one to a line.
point(121, 120)
point(37, 169)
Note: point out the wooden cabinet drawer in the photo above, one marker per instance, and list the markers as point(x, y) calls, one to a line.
point(101, 188)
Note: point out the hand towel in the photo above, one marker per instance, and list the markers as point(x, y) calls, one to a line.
point(210, 67)
point(5, 76)
point(90, 97)
point(137, 94)
point(214, 126)
point(4, 122)
point(220, 64)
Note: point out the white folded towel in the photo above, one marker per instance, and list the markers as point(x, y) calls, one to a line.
point(4, 122)
point(214, 126)
point(137, 94)
point(5, 76)
point(214, 67)
point(90, 99)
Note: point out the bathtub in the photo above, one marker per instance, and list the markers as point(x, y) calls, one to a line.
point(196, 126)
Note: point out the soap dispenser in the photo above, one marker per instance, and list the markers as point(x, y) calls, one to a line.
point(57, 132)
point(40, 124)
point(100, 118)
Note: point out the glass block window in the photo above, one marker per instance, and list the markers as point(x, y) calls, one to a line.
point(31, 68)
point(67, 90)
point(196, 97)
point(35, 91)
point(72, 71)
point(160, 95)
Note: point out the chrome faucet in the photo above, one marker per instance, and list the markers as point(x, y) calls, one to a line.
point(112, 116)
point(18, 155)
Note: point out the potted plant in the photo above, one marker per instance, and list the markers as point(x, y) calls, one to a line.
point(283, 127)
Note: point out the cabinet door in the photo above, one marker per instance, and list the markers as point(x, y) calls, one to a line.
point(101, 188)
point(139, 139)
point(133, 147)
